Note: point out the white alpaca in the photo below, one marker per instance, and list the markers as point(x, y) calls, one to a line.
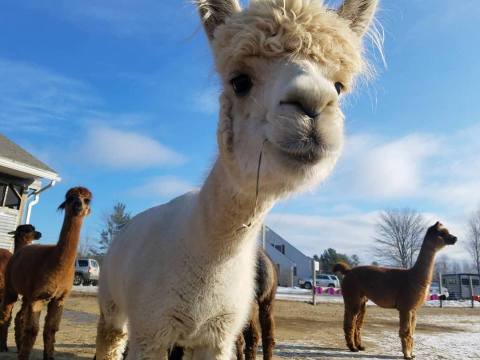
point(183, 272)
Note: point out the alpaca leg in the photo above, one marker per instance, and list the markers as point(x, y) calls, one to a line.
point(143, 348)
point(251, 335)
point(358, 326)
point(9, 299)
point(413, 325)
point(268, 326)
point(4, 335)
point(240, 347)
point(19, 325)
point(349, 325)
point(31, 325)
point(406, 333)
point(111, 339)
point(223, 351)
point(52, 324)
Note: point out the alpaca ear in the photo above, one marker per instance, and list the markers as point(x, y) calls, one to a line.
point(61, 206)
point(215, 12)
point(360, 13)
point(11, 233)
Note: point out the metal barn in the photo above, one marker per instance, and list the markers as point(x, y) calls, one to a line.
point(22, 178)
point(458, 285)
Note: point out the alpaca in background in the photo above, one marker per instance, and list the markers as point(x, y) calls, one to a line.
point(283, 65)
point(44, 273)
point(261, 317)
point(401, 289)
point(22, 236)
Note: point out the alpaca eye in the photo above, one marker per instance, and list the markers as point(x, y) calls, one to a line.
point(241, 84)
point(339, 87)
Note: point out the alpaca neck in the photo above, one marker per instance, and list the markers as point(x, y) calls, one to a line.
point(19, 243)
point(423, 268)
point(69, 239)
point(227, 215)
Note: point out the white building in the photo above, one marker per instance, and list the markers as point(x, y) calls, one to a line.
point(22, 178)
point(291, 263)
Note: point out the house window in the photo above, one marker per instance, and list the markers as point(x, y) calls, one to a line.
point(3, 190)
point(10, 196)
point(280, 248)
point(294, 271)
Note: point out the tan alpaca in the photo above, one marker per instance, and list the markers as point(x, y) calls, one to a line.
point(404, 290)
point(283, 65)
point(23, 235)
point(44, 273)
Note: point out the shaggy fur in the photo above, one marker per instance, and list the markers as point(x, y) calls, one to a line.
point(44, 273)
point(168, 275)
point(404, 290)
point(23, 235)
point(262, 310)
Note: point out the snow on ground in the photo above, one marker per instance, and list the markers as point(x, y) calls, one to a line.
point(304, 295)
point(299, 294)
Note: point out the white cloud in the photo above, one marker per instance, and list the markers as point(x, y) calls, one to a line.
point(163, 187)
point(120, 149)
point(349, 233)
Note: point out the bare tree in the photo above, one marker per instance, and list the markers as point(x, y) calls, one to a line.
point(399, 235)
point(85, 249)
point(473, 244)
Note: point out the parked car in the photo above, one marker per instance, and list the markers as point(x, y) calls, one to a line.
point(435, 290)
point(322, 280)
point(87, 272)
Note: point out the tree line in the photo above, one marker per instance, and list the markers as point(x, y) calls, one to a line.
point(397, 241)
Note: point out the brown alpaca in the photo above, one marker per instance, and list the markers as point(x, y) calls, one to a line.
point(23, 235)
point(247, 342)
point(401, 289)
point(44, 273)
point(266, 288)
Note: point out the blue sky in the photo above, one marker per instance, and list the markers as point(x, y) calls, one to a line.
point(121, 96)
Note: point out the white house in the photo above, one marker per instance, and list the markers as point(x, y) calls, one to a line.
point(291, 263)
point(22, 178)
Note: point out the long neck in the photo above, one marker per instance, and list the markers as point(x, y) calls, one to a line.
point(19, 243)
point(423, 268)
point(69, 239)
point(227, 215)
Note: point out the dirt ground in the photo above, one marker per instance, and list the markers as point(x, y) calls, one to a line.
point(305, 332)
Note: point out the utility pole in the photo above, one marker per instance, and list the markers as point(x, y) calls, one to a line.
point(440, 286)
point(315, 268)
point(471, 290)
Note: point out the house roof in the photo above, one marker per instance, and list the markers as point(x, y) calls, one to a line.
point(16, 161)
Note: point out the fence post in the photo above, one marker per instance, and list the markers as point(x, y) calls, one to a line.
point(471, 290)
point(441, 289)
point(314, 283)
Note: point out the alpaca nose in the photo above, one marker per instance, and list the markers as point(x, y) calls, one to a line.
point(307, 93)
point(300, 106)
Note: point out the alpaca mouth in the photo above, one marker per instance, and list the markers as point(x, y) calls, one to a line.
point(451, 241)
point(304, 152)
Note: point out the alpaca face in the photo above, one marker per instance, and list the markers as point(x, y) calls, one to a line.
point(26, 232)
point(77, 201)
point(440, 236)
point(284, 65)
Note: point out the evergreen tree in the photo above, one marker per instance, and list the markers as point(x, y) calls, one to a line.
point(113, 223)
point(330, 257)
